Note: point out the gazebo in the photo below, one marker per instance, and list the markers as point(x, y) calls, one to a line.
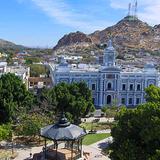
point(71, 136)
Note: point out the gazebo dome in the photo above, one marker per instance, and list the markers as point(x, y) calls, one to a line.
point(62, 131)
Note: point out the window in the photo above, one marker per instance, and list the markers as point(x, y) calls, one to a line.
point(138, 87)
point(123, 87)
point(131, 87)
point(109, 99)
point(31, 83)
point(109, 86)
point(1, 70)
point(93, 86)
point(123, 101)
point(35, 83)
point(110, 76)
point(130, 100)
point(137, 100)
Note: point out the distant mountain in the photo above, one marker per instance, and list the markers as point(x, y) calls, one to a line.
point(7, 45)
point(128, 35)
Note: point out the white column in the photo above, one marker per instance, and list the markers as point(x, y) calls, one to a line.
point(100, 91)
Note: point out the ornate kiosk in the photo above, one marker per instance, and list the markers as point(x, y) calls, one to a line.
point(66, 135)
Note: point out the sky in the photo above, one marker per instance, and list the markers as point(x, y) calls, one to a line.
point(41, 23)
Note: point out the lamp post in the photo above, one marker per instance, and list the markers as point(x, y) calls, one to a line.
point(12, 138)
point(14, 125)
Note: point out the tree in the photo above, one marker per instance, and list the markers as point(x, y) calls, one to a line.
point(75, 99)
point(30, 124)
point(5, 132)
point(38, 69)
point(31, 60)
point(14, 97)
point(152, 94)
point(46, 101)
point(10, 59)
point(110, 111)
point(63, 96)
point(136, 134)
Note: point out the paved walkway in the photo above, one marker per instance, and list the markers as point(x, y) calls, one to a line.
point(101, 119)
point(102, 144)
point(96, 148)
point(102, 131)
point(94, 153)
point(24, 153)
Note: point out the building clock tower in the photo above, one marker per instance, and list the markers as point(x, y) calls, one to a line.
point(109, 55)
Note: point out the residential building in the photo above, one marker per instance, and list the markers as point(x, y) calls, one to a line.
point(39, 82)
point(21, 71)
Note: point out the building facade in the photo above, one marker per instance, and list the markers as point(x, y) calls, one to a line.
point(110, 84)
point(22, 72)
point(39, 82)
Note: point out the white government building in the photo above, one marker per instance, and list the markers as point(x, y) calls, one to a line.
point(110, 84)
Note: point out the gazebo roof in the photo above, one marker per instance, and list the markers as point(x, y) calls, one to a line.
point(62, 131)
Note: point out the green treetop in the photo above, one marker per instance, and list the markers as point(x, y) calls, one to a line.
point(136, 134)
point(75, 99)
point(152, 94)
point(14, 97)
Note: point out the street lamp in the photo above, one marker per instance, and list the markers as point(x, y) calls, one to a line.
point(12, 138)
point(14, 125)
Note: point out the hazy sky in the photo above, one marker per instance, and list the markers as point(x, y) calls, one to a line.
point(44, 22)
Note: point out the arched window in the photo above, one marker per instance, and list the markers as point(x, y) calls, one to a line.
point(109, 86)
point(131, 87)
point(109, 99)
point(138, 87)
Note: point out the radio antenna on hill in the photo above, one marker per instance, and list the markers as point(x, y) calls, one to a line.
point(129, 9)
point(135, 11)
point(132, 10)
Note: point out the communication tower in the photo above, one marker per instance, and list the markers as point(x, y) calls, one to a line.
point(132, 10)
point(129, 9)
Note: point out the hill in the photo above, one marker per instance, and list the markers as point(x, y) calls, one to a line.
point(9, 45)
point(129, 35)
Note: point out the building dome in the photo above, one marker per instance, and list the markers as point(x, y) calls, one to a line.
point(149, 67)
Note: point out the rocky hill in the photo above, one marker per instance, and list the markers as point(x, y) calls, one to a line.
point(73, 38)
point(129, 35)
point(6, 44)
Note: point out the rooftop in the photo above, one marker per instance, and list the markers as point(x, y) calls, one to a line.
point(96, 68)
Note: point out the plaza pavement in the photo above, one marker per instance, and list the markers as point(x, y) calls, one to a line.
point(96, 148)
point(100, 120)
point(93, 149)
